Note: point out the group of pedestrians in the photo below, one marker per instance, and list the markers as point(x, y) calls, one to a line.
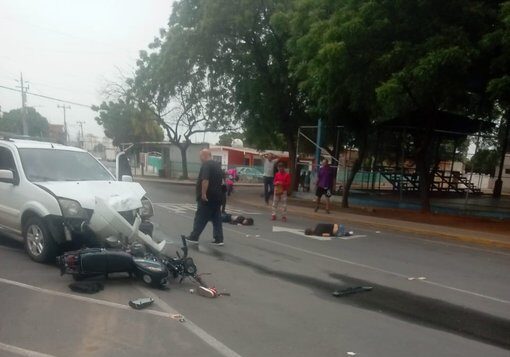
point(210, 193)
point(278, 185)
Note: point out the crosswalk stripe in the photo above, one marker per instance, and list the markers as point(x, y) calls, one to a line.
point(185, 207)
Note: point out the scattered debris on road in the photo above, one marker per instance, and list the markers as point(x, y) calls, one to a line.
point(351, 290)
point(178, 317)
point(141, 303)
point(211, 292)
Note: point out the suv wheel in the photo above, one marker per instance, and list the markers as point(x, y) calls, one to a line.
point(39, 244)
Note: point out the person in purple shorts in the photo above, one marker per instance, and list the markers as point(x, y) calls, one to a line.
point(324, 184)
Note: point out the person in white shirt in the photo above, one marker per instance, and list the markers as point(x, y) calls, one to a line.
point(270, 161)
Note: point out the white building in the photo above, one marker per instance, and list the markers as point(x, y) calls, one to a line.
point(506, 174)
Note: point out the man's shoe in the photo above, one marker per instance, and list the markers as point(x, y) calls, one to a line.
point(220, 244)
point(191, 241)
point(207, 292)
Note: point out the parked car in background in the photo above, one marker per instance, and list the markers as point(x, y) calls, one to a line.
point(249, 174)
point(48, 194)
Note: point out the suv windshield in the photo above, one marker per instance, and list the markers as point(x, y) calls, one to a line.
point(61, 165)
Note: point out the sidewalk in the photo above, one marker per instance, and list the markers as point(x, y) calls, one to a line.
point(369, 218)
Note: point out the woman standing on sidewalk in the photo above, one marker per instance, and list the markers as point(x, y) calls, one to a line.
point(324, 184)
point(281, 185)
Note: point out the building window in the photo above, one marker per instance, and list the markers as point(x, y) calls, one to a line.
point(217, 158)
point(507, 171)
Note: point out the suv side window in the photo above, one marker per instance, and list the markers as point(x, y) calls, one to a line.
point(7, 161)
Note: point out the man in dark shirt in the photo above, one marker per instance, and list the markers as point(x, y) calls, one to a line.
point(209, 197)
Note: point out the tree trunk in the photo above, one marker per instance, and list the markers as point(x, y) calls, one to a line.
point(362, 151)
point(184, 160)
point(423, 168)
point(498, 186)
point(291, 147)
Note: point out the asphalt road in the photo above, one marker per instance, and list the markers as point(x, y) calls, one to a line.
point(281, 302)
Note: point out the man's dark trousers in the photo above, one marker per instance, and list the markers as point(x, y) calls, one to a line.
point(207, 211)
point(268, 188)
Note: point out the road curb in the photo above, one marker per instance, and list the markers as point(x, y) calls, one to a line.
point(364, 221)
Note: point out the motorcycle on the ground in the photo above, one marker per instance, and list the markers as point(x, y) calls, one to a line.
point(127, 250)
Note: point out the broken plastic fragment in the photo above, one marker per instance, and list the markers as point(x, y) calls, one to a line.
point(141, 303)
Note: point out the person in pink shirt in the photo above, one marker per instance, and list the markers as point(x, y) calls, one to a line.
point(281, 189)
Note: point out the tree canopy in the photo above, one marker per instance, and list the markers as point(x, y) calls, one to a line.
point(125, 123)
point(268, 67)
point(38, 125)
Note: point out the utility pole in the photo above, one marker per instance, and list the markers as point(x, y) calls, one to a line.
point(23, 104)
point(82, 141)
point(66, 134)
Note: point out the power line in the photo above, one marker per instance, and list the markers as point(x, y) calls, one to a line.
point(48, 97)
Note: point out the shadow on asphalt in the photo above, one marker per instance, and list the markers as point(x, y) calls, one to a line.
point(9, 242)
point(403, 305)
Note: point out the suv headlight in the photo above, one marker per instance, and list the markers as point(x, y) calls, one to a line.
point(71, 208)
point(146, 210)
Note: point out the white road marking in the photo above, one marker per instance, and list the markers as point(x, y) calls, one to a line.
point(298, 232)
point(22, 351)
point(193, 328)
point(81, 298)
point(369, 267)
point(168, 313)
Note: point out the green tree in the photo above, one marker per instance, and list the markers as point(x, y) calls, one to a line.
point(497, 48)
point(38, 125)
point(240, 45)
point(361, 62)
point(484, 161)
point(125, 123)
point(334, 56)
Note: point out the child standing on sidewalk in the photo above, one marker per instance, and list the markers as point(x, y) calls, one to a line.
point(281, 189)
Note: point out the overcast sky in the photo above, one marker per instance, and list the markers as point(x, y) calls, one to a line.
point(69, 49)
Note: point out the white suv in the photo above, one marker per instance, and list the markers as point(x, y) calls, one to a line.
point(48, 191)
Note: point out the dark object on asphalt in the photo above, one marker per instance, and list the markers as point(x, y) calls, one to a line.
point(152, 268)
point(86, 287)
point(141, 303)
point(210, 292)
point(352, 290)
point(239, 220)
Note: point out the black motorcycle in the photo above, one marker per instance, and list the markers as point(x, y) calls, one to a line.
point(152, 268)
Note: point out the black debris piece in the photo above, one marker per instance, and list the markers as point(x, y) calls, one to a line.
point(351, 290)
